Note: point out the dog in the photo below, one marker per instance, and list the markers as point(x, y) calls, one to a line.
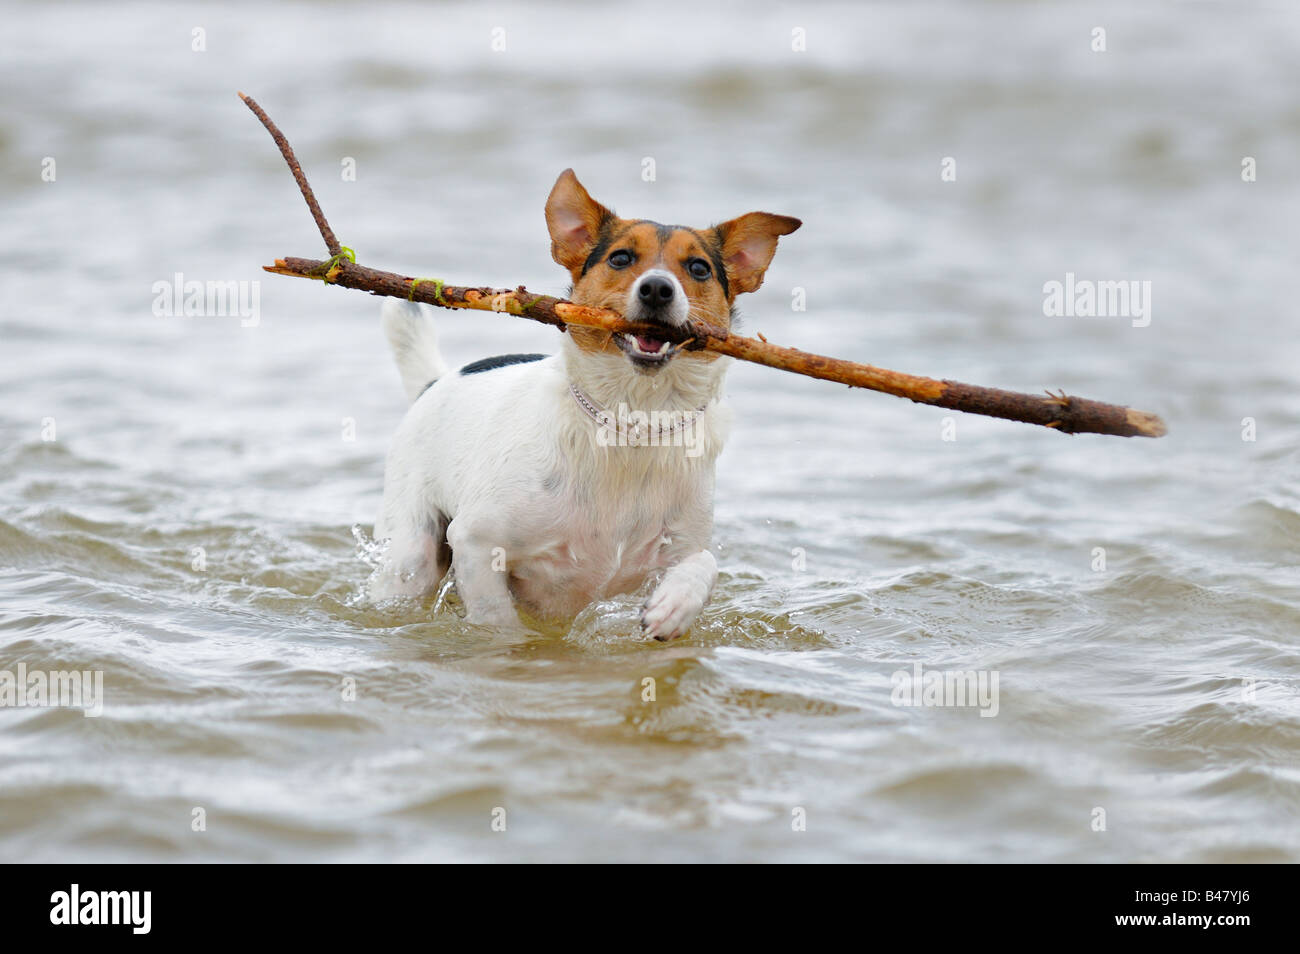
point(549, 482)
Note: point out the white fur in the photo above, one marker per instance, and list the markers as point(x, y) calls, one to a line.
point(539, 511)
point(411, 335)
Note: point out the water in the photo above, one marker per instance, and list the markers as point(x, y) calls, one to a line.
point(184, 442)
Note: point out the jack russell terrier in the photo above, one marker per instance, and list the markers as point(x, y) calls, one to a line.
point(553, 481)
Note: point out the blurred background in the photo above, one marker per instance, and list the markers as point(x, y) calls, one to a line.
point(185, 502)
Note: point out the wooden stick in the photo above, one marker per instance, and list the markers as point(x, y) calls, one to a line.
point(1065, 413)
point(299, 176)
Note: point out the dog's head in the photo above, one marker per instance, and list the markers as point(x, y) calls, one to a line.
point(655, 273)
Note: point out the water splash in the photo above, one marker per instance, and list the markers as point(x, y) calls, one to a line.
point(440, 602)
point(371, 552)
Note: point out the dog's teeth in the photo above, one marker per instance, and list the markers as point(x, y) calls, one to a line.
point(664, 348)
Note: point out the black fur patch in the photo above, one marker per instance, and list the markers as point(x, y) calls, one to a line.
point(500, 361)
point(714, 249)
point(604, 240)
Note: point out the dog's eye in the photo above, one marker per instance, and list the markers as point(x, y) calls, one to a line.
point(620, 259)
point(699, 269)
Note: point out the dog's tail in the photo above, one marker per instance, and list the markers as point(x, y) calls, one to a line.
point(409, 327)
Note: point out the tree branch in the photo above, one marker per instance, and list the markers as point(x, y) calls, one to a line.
point(1065, 413)
point(304, 187)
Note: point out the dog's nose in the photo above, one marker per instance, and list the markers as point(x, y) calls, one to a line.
point(655, 292)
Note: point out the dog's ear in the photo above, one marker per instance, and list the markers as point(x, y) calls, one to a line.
point(574, 220)
point(748, 244)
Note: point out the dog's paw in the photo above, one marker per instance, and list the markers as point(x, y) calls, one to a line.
point(672, 607)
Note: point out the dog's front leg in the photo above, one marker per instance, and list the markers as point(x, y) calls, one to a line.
point(680, 596)
point(478, 560)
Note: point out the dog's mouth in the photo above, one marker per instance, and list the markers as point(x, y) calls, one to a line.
point(646, 351)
